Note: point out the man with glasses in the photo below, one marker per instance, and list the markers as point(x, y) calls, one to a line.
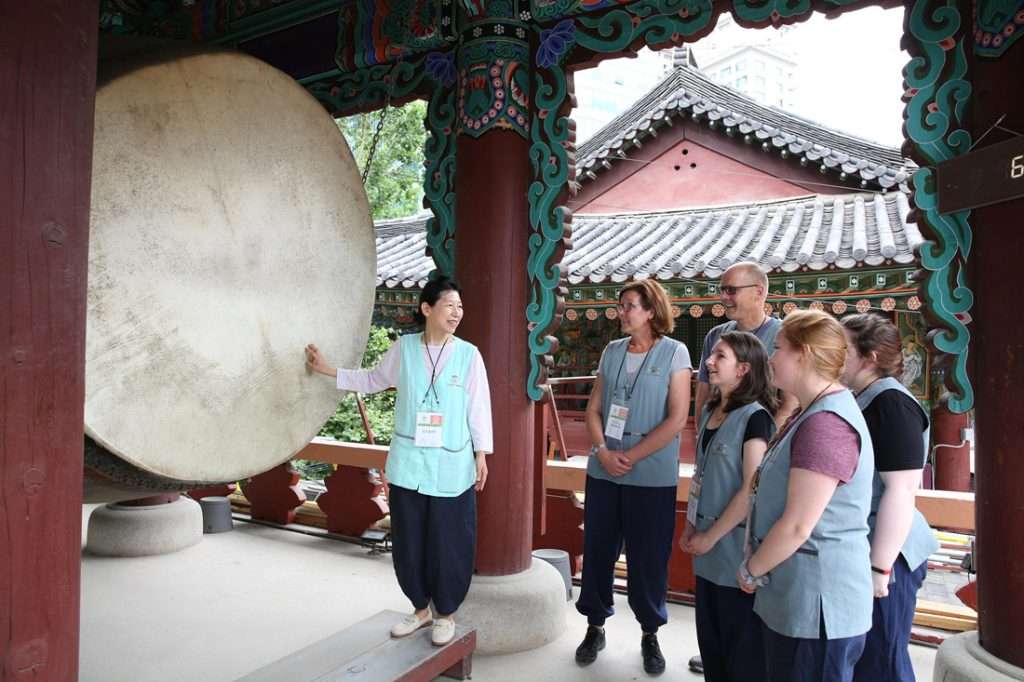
point(743, 291)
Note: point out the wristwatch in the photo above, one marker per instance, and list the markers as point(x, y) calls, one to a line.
point(595, 448)
point(750, 580)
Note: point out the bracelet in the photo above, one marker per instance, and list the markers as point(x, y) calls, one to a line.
point(750, 579)
point(881, 571)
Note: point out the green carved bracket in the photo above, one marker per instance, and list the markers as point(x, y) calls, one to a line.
point(439, 179)
point(998, 24)
point(552, 140)
point(369, 88)
point(651, 22)
point(937, 91)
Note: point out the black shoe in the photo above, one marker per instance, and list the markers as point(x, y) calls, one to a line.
point(654, 662)
point(586, 653)
point(696, 665)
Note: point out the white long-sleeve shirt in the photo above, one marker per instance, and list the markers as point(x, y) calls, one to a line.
point(385, 375)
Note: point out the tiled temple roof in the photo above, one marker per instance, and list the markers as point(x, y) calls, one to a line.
point(688, 92)
point(817, 231)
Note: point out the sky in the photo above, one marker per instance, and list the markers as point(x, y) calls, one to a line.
point(849, 74)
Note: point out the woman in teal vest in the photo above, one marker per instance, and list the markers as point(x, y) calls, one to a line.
point(807, 533)
point(735, 428)
point(901, 540)
point(636, 411)
point(437, 459)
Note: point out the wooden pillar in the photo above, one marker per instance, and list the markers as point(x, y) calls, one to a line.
point(490, 264)
point(47, 93)
point(952, 461)
point(997, 346)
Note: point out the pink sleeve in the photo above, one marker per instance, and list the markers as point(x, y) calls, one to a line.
point(827, 444)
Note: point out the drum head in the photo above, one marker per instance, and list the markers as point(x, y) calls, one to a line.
point(229, 228)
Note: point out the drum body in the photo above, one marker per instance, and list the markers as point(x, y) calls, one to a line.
point(229, 228)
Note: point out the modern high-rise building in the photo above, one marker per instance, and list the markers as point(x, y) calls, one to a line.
point(759, 72)
point(604, 92)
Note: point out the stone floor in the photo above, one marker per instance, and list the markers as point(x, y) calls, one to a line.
point(942, 585)
point(239, 600)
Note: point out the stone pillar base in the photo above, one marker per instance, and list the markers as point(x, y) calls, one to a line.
point(123, 531)
point(515, 612)
point(961, 659)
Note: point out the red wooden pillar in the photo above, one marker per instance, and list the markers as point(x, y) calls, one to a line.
point(47, 92)
point(952, 461)
point(997, 346)
point(490, 264)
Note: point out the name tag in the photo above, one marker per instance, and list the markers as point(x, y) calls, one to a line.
point(693, 502)
point(616, 425)
point(428, 429)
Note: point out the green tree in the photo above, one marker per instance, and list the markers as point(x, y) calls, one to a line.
point(395, 184)
point(346, 424)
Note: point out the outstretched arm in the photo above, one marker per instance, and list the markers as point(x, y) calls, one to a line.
point(381, 377)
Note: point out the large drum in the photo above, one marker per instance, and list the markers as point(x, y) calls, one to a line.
point(229, 228)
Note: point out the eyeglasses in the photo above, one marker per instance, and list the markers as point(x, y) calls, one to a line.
point(731, 290)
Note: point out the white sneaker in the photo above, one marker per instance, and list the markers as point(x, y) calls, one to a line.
point(410, 624)
point(443, 632)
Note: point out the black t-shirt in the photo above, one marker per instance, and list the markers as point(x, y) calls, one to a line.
point(758, 426)
point(897, 424)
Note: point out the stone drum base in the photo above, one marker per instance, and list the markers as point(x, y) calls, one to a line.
point(124, 531)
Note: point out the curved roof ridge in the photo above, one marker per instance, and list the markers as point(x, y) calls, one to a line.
point(810, 232)
point(686, 89)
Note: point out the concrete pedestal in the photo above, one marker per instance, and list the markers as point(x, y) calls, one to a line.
point(961, 659)
point(119, 530)
point(515, 612)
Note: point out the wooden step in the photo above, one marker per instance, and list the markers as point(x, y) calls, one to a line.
point(367, 652)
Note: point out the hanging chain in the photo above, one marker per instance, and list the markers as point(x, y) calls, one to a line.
point(380, 126)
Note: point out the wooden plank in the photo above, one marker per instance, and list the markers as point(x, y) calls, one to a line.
point(337, 452)
point(572, 475)
point(944, 609)
point(330, 653)
point(410, 659)
point(942, 508)
point(947, 509)
point(945, 622)
point(366, 651)
point(989, 175)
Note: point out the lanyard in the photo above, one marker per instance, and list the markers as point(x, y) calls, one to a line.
point(629, 390)
point(433, 370)
point(872, 383)
point(789, 426)
point(769, 455)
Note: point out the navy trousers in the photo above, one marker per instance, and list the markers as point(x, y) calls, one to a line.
point(795, 659)
point(644, 519)
point(433, 546)
point(728, 634)
point(886, 655)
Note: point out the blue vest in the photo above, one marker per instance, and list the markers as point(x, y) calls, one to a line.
point(648, 407)
point(920, 542)
point(766, 334)
point(829, 577)
point(720, 471)
point(450, 470)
